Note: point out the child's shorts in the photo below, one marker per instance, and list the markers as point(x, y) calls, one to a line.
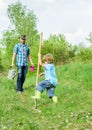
point(45, 84)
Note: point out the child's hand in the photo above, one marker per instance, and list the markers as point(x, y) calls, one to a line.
point(41, 74)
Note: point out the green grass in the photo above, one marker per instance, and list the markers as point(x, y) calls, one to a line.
point(72, 112)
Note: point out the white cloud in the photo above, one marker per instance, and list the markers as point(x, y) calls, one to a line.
point(2, 4)
point(47, 1)
point(78, 37)
point(70, 17)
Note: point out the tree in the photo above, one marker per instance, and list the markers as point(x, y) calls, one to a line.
point(59, 47)
point(90, 37)
point(0, 59)
point(23, 21)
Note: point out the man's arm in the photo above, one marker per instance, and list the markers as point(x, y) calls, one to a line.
point(30, 60)
point(13, 59)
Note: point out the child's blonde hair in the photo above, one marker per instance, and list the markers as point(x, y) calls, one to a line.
point(48, 58)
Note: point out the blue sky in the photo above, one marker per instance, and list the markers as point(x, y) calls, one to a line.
point(73, 18)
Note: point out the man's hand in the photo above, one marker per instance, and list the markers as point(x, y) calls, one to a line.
point(30, 59)
point(32, 64)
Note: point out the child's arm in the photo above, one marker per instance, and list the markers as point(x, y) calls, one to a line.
point(41, 74)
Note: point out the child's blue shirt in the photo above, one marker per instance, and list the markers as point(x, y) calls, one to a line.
point(50, 74)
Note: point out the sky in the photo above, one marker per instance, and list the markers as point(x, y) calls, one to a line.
point(72, 18)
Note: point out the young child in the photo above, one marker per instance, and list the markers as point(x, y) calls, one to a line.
point(50, 78)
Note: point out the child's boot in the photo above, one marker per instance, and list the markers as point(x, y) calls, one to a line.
point(37, 95)
point(54, 98)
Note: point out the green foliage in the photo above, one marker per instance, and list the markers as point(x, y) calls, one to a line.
point(59, 47)
point(90, 38)
point(85, 54)
point(23, 21)
point(73, 110)
point(0, 60)
point(9, 38)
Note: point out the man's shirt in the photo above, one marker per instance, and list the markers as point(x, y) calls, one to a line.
point(22, 51)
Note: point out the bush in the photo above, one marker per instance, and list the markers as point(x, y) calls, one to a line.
point(85, 54)
point(59, 47)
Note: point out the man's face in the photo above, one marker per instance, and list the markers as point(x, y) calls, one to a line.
point(22, 40)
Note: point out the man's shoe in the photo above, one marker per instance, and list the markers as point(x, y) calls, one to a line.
point(19, 92)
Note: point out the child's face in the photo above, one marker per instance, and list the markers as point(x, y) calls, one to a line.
point(48, 59)
point(45, 62)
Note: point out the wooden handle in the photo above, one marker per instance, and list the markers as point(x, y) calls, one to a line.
point(37, 75)
point(41, 35)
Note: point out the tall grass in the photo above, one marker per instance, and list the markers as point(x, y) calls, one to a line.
point(72, 112)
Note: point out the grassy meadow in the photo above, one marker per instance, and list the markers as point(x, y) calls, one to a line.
point(72, 112)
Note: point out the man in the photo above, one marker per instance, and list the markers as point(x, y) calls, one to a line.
point(22, 54)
